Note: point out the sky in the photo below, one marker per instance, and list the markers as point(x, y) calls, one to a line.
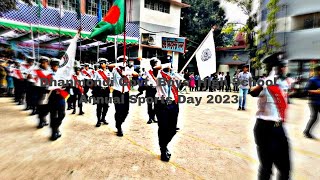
point(234, 13)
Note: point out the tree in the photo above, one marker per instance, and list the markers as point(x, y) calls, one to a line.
point(269, 43)
point(197, 20)
point(8, 5)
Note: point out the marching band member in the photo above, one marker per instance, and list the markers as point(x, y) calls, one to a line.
point(86, 73)
point(166, 105)
point(42, 76)
point(26, 70)
point(77, 91)
point(102, 90)
point(18, 83)
point(121, 86)
point(270, 137)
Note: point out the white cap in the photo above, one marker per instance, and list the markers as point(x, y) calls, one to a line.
point(122, 57)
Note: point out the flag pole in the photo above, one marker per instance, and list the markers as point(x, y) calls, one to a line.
point(60, 18)
point(98, 51)
point(190, 59)
point(116, 48)
point(124, 34)
point(33, 49)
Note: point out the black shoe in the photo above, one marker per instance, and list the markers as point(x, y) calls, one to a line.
point(165, 155)
point(239, 108)
point(154, 120)
point(55, 136)
point(69, 108)
point(104, 122)
point(177, 129)
point(150, 121)
point(20, 103)
point(73, 112)
point(27, 108)
point(41, 125)
point(98, 124)
point(308, 135)
point(120, 133)
point(34, 112)
point(81, 113)
point(243, 109)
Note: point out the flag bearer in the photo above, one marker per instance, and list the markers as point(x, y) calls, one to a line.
point(270, 136)
point(56, 102)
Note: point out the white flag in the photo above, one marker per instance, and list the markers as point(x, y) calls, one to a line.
point(67, 62)
point(206, 57)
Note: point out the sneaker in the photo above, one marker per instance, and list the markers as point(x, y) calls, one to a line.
point(239, 108)
point(243, 109)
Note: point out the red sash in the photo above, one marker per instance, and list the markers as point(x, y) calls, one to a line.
point(279, 100)
point(86, 73)
point(103, 75)
point(63, 93)
point(18, 73)
point(174, 89)
point(125, 79)
point(43, 76)
point(77, 84)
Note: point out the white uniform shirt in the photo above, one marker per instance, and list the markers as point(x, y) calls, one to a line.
point(26, 70)
point(117, 78)
point(100, 80)
point(37, 78)
point(87, 74)
point(267, 109)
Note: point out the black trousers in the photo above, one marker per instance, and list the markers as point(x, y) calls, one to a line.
point(28, 85)
point(167, 115)
point(315, 110)
point(122, 107)
point(103, 105)
point(273, 148)
point(19, 90)
point(86, 87)
point(43, 109)
point(151, 93)
point(57, 107)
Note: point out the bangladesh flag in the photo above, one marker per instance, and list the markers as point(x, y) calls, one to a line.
point(112, 23)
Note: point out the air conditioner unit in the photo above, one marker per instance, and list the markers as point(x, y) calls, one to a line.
point(148, 39)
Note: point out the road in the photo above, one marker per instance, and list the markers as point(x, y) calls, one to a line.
point(215, 142)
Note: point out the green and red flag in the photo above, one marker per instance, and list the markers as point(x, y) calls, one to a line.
point(112, 23)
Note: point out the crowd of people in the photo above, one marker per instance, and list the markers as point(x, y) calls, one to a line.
point(23, 80)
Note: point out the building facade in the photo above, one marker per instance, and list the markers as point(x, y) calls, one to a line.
point(298, 32)
point(54, 25)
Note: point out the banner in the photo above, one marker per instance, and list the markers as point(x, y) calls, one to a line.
point(174, 44)
point(206, 57)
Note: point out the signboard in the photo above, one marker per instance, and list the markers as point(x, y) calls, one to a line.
point(174, 44)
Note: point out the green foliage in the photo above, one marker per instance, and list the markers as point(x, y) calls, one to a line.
point(8, 5)
point(198, 19)
point(268, 38)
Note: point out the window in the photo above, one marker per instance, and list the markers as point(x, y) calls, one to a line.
point(157, 6)
point(306, 21)
point(53, 3)
point(69, 5)
point(105, 6)
point(92, 7)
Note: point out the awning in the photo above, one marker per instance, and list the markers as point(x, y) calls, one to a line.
point(8, 24)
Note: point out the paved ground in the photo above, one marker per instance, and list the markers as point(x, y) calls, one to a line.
point(216, 142)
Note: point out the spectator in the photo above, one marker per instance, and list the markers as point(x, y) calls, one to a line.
point(197, 78)
point(244, 77)
point(192, 82)
point(3, 81)
point(228, 80)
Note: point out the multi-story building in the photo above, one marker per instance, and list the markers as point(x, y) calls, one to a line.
point(53, 26)
point(298, 32)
